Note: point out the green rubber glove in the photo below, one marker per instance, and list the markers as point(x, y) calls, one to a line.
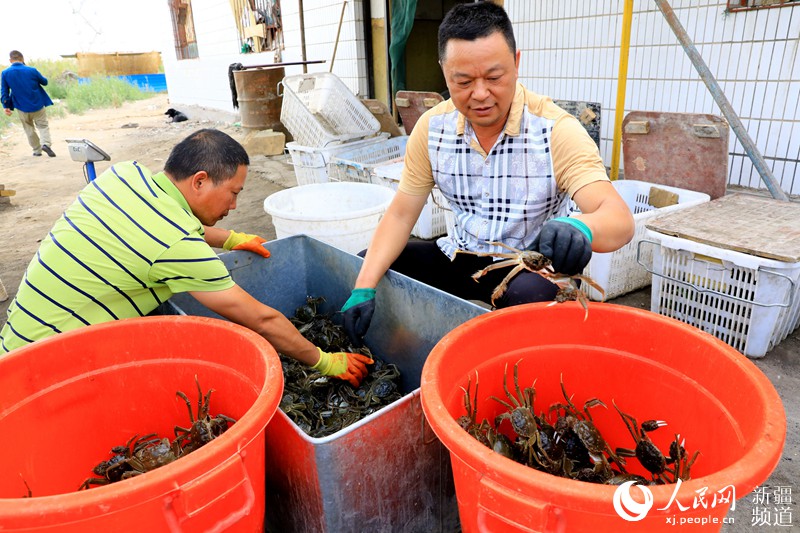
point(358, 311)
point(351, 367)
point(567, 242)
point(244, 241)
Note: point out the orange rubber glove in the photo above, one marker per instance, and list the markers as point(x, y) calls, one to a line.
point(351, 367)
point(244, 241)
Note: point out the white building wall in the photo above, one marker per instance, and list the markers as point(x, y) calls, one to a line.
point(204, 81)
point(570, 50)
point(321, 23)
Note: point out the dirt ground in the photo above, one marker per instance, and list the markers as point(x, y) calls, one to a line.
point(46, 186)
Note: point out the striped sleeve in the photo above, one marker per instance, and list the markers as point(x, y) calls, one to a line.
point(191, 265)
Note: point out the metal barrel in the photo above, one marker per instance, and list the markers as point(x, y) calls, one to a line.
point(259, 101)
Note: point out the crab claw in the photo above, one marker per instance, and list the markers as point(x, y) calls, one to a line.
point(652, 425)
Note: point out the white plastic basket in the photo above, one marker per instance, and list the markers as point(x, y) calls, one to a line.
point(618, 272)
point(358, 164)
point(319, 109)
point(311, 163)
point(431, 222)
point(749, 302)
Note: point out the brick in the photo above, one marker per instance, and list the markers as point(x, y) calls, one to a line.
point(662, 198)
point(264, 142)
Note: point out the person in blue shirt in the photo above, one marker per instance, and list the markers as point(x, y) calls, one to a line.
point(22, 89)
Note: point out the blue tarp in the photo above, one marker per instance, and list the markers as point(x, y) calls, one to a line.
point(156, 83)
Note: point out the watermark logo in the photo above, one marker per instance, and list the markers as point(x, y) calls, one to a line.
point(772, 506)
point(634, 510)
point(628, 508)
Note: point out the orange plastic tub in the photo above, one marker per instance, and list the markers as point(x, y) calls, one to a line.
point(65, 401)
point(652, 366)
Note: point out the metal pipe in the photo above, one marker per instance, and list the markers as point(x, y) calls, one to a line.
point(302, 36)
point(284, 64)
point(338, 31)
point(388, 41)
point(622, 81)
point(719, 97)
point(91, 174)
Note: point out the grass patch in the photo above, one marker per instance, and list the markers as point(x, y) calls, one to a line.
point(99, 93)
point(69, 96)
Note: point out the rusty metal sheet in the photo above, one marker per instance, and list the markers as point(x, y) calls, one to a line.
point(684, 150)
point(587, 113)
point(412, 104)
point(746, 223)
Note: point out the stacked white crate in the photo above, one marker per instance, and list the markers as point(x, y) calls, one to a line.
point(432, 221)
point(325, 118)
point(311, 163)
point(733, 272)
point(382, 164)
point(618, 272)
point(318, 109)
point(360, 162)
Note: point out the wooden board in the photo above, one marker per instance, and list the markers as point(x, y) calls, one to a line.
point(381, 112)
point(412, 104)
point(741, 222)
point(684, 150)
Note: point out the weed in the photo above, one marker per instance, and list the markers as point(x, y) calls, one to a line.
point(72, 96)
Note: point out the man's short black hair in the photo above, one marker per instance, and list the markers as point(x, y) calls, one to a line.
point(16, 55)
point(473, 21)
point(210, 150)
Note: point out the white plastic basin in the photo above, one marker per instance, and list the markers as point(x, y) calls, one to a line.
point(342, 214)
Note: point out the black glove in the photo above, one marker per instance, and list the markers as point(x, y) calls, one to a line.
point(358, 311)
point(567, 242)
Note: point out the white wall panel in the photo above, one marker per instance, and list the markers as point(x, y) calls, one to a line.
point(204, 81)
point(753, 55)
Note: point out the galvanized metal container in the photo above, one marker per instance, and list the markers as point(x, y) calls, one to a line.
point(388, 472)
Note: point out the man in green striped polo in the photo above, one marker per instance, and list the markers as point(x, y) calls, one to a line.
point(132, 239)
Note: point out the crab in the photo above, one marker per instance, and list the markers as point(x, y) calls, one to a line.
point(580, 433)
point(520, 411)
point(648, 454)
point(537, 263)
point(535, 437)
point(203, 428)
point(678, 457)
point(483, 432)
point(139, 456)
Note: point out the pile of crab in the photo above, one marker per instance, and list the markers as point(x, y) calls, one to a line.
point(565, 441)
point(143, 454)
point(319, 405)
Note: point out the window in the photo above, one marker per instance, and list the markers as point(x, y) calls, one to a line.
point(743, 5)
point(183, 29)
point(259, 25)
